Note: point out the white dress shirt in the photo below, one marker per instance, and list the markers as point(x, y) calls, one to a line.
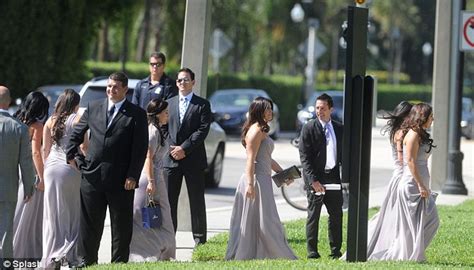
point(331, 145)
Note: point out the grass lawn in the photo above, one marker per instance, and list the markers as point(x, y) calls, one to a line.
point(452, 247)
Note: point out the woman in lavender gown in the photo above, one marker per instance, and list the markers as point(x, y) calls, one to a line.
point(27, 224)
point(256, 231)
point(378, 227)
point(415, 218)
point(61, 214)
point(155, 243)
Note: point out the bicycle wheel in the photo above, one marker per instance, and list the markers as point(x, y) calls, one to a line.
point(295, 195)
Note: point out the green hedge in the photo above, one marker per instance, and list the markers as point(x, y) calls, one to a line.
point(284, 90)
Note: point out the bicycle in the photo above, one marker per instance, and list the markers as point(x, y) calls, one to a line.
point(295, 194)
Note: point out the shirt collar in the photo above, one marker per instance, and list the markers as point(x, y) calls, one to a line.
point(324, 124)
point(117, 105)
point(188, 96)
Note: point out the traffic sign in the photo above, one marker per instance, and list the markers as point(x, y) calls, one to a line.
point(467, 31)
point(319, 48)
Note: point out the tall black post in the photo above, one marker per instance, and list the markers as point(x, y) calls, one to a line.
point(454, 184)
point(364, 185)
point(356, 38)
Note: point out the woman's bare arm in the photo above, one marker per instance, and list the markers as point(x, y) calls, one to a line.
point(412, 144)
point(36, 141)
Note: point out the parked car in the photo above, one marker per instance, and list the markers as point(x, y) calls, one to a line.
point(230, 108)
point(308, 111)
point(52, 92)
point(215, 141)
point(467, 118)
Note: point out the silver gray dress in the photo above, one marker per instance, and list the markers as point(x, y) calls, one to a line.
point(415, 219)
point(28, 225)
point(157, 243)
point(256, 231)
point(380, 225)
point(61, 213)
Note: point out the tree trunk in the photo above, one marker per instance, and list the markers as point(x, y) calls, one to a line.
point(143, 33)
point(103, 43)
point(334, 57)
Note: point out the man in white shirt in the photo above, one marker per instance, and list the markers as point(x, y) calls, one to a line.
point(320, 148)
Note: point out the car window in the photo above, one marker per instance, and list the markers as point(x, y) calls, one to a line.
point(98, 92)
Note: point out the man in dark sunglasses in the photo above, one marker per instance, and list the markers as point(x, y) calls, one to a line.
point(157, 85)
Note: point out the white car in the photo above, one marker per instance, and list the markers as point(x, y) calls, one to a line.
point(215, 140)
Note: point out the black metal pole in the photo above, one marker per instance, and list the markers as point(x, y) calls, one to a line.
point(353, 225)
point(454, 184)
point(356, 38)
point(364, 185)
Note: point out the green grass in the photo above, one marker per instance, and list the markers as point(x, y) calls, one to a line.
point(452, 248)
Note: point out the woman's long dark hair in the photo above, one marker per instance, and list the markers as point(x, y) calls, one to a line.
point(419, 115)
point(65, 106)
point(155, 107)
point(256, 114)
point(395, 119)
point(34, 108)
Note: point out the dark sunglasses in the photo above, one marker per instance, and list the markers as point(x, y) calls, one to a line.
point(157, 64)
point(183, 80)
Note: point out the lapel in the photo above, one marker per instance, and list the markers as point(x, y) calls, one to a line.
point(103, 113)
point(118, 116)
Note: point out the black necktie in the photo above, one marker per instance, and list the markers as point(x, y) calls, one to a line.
point(110, 114)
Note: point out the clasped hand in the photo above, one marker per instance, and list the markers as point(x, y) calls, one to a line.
point(177, 152)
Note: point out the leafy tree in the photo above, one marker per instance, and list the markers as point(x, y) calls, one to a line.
point(46, 42)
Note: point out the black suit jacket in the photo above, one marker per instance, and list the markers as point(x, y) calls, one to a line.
point(114, 153)
point(190, 134)
point(312, 148)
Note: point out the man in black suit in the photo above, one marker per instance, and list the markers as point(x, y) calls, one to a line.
point(157, 85)
point(188, 126)
point(320, 148)
point(118, 142)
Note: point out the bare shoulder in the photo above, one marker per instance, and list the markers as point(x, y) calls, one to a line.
point(77, 118)
point(36, 126)
point(254, 133)
point(411, 137)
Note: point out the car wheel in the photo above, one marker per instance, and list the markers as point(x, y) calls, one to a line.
point(214, 174)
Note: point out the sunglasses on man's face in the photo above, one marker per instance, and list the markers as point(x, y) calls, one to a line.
point(156, 64)
point(183, 80)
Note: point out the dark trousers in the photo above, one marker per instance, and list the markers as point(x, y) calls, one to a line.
point(333, 202)
point(93, 209)
point(195, 184)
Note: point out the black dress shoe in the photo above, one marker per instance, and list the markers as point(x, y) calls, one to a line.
point(314, 255)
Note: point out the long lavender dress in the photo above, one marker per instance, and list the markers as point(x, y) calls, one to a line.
point(381, 225)
point(256, 231)
point(61, 214)
point(415, 219)
point(158, 243)
point(28, 225)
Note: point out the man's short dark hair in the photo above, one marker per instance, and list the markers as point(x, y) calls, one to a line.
point(119, 77)
point(327, 98)
point(159, 55)
point(189, 71)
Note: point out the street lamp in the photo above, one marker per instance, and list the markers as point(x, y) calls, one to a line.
point(297, 15)
point(427, 50)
